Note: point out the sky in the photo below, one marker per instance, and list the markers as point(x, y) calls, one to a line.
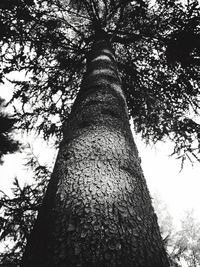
point(178, 189)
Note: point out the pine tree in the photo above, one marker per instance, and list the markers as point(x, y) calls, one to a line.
point(97, 210)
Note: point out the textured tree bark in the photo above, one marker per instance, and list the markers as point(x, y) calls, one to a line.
point(97, 211)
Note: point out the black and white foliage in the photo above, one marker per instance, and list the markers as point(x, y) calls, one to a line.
point(157, 51)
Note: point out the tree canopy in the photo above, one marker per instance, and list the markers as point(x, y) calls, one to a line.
point(157, 51)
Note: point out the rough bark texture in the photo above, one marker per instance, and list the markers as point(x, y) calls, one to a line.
point(97, 211)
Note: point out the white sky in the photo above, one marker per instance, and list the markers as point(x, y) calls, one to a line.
point(180, 190)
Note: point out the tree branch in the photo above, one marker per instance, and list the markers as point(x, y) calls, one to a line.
point(127, 39)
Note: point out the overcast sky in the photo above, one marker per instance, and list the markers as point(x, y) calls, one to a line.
point(180, 190)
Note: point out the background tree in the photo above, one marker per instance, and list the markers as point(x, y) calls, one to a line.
point(7, 144)
point(160, 87)
point(182, 242)
point(186, 242)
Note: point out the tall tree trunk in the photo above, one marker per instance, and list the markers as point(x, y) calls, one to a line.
point(97, 210)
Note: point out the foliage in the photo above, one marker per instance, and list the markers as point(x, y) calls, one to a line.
point(157, 51)
point(18, 213)
point(7, 144)
point(165, 219)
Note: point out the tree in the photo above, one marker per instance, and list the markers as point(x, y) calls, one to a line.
point(98, 221)
point(97, 210)
point(7, 144)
